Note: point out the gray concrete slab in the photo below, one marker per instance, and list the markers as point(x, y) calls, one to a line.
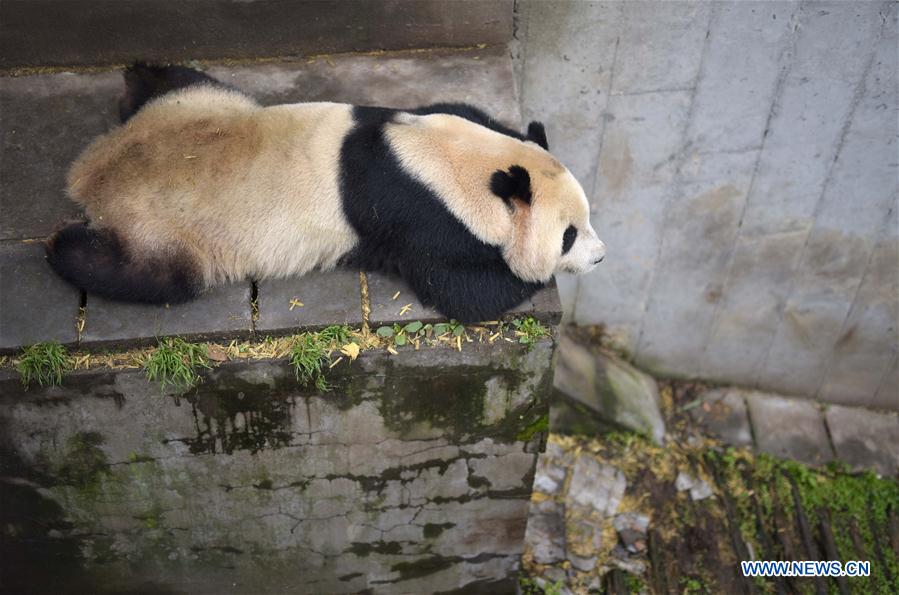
point(840, 243)
point(662, 52)
point(864, 438)
point(634, 178)
point(392, 300)
point(858, 372)
point(223, 311)
point(313, 300)
point(789, 428)
point(740, 72)
point(692, 263)
point(47, 120)
point(481, 76)
point(109, 32)
point(722, 413)
point(806, 132)
point(35, 304)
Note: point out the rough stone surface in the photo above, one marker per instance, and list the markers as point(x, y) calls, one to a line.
point(546, 531)
point(408, 477)
point(92, 33)
point(222, 311)
point(549, 478)
point(596, 486)
point(610, 387)
point(865, 439)
point(750, 218)
point(699, 488)
point(313, 300)
point(722, 413)
point(789, 428)
point(35, 304)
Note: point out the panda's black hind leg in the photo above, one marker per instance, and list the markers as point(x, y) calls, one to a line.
point(144, 82)
point(96, 261)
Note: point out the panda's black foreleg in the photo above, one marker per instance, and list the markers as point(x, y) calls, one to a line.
point(96, 261)
point(469, 294)
point(144, 82)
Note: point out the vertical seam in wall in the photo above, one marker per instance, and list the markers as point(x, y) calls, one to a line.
point(828, 433)
point(853, 304)
point(602, 134)
point(848, 118)
point(677, 186)
point(884, 379)
point(788, 56)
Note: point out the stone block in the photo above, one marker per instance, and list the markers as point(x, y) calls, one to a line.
point(546, 532)
point(313, 300)
point(864, 438)
point(722, 413)
point(789, 428)
point(222, 311)
point(252, 461)
point(611, 388)
point(595, 486)
point(35, 304)
point(108, 32)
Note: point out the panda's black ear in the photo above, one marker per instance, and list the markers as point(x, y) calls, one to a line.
point(515, 183)
point(537, 133)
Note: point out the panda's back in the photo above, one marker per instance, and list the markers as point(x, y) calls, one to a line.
point(251, 191)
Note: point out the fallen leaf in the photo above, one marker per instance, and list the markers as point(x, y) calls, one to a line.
point(295, 303)
point(217, 353)
point(351, 350)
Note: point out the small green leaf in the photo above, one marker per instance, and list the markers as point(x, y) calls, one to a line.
point(384, 331)
point(413, 327)
point(400, 340)
point(458, 330)
point(441, 328)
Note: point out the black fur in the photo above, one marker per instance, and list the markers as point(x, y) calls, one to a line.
point(144, 82)
point(405, 229)
point(96, 262)
point(568, 238)
point(515, 183)
point(537, 133)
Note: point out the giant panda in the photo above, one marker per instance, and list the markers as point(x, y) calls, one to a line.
point(201, 185)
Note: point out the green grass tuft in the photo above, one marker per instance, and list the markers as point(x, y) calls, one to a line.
point(175, 363)
point(529, 331)
point(44, 363)
point(310, 352)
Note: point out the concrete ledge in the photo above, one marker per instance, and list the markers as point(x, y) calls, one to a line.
point(411, 476)
point(65, 33)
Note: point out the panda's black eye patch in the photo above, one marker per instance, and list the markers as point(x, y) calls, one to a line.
point(568, 238)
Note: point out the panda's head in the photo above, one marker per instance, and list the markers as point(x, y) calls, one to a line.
point(509, 191)
point(550, 216)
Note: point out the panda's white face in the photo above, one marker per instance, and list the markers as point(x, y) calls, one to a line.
point(552, 233)
point(580, 248)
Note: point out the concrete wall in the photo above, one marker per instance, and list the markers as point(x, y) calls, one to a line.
point(741, 163)
point(412, 476)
